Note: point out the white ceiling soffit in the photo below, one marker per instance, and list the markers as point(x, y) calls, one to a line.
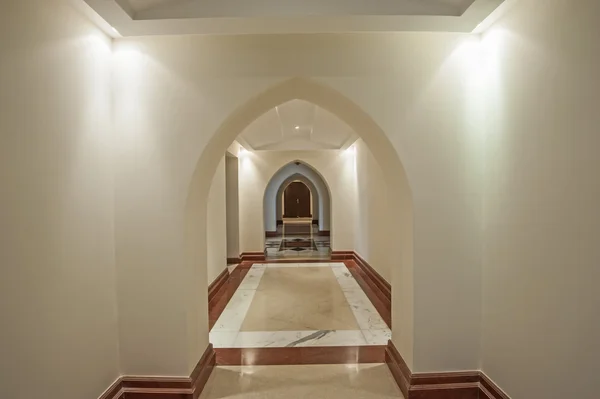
point(297, 125)
point(176, 17)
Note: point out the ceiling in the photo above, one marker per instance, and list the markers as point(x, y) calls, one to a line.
point(162, 17)
point(297, 125)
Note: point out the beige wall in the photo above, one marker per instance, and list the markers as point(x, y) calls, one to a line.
point(59, 336)
point(256, 170)
point(541, 318)
point(232, 208)
point(374, 232)
point(172, 93)
point(216, 239)
point(498, 139)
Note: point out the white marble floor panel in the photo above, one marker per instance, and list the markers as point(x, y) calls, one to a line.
point(366, 315)
point(226, 332)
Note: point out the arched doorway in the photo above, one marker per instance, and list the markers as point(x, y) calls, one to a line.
point(398, 191)
point(297, 234)
point(315, 199)
point(297, 201)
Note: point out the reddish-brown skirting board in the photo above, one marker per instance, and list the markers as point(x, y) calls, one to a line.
point(381, 286)
point(384, 307)
point(233, 261)
point(252, 256)
point(449, 385)
point(342, 255)
point(300, 355)
point(219, 301)
point(146, 387)
point(324, 233)
point(216, 285)
point(114, 391)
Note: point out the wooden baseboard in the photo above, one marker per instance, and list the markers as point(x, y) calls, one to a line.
point(270, 233)
point(233, 261)
point(375, 286)
point(324, 233)
point(381, 286)
point(489, 390)
point(252, 256)
point(450, 385)
point(342, 255)
point(216, 285)
point(201, 373)
point(146, 387)
point(114, 391)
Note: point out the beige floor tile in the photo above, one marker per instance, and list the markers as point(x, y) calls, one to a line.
point(365, 381)
point(296, 299)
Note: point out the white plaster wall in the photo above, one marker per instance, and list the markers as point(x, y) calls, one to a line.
point(172, 93)
point(59, 336)
point(374, 232)
point(216, 239)
point(256, 169)
point(232, 206)
point(541, 318)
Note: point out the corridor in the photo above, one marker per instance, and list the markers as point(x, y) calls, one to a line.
point(295, 305)
point(272, 199)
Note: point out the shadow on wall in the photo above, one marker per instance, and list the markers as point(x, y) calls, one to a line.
point(398, 188)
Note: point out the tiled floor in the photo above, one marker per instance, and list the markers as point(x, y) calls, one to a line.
point(298, 304)
point(350, 381)
point(298, 241)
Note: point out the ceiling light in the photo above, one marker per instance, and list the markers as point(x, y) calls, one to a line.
point(297, 127)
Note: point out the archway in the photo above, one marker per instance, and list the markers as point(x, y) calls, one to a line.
point(297, 201)
point(315, 199)
point(316, 242)
point(398, 187)
point(302, 170)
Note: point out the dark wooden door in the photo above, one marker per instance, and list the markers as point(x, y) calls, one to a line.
point(296, 200)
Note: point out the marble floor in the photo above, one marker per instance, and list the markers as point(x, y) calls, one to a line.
point(348, 381)
point(299, 304)
point(298, 247)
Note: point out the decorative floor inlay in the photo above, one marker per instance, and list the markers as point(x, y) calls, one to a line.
point(299, 241)
point(281, 305)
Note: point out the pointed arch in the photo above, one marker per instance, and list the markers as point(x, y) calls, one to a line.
point(313, 191)
point(399, 192)
point(276, 181)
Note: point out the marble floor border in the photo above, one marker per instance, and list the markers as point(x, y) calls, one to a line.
point(288, 339)
point(242, 284)
point(300, 355)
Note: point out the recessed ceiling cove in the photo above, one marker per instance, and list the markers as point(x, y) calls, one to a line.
point(297, 125)
point(160, 17)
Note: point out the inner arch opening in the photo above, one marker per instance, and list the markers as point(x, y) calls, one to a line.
point(397, 190)
point(296, 226)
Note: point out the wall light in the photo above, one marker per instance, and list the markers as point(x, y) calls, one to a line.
point(297, 127)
